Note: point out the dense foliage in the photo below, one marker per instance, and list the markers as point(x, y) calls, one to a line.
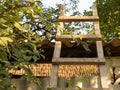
point(18, 43)
point(25, 23)
point(109, 13)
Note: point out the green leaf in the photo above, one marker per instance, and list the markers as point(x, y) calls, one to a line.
point(26, 26)
point(4, 40)
point(27, 58)
point(30, 45)
point(48, 26)
point(38, 9)
point(27, 70)
point(30, 15)
point(35, 58)
point(36, 53)
point(42, 56)
point(2, 20)
point(3, 56)
point(18, 26)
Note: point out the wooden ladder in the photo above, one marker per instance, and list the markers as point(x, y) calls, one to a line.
point(100, 60)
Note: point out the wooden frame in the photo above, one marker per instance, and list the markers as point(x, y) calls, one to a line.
point(59, 37)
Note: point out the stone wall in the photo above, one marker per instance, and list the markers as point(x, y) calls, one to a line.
point(86, 82)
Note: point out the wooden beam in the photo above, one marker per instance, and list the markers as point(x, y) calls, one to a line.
point(78, 18)
point(78, 61)
point(78, 89)
point(83, 37)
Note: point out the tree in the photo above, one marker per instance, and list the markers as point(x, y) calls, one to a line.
point(18, 43)
point(109, 13)
point(21, 22)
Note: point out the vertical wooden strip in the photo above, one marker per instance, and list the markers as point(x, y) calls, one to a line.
point(97, 32)
point(98, 43)
point(102, 68)
point(104, 78)
point(61, 25)
point(99, 49)
point(54, 72)
point(54, 78)
point(96, 23)
point(57, 51)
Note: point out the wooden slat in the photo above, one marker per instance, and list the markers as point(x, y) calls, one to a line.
point(54, 72)
point(98, 43)
point(71, 37)
point(100, 52)
point(79, 89)
point(77, 18)
point(57, 49)
point(78, 61)
point(54, 78)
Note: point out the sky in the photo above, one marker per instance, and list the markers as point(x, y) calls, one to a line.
point(83, 4)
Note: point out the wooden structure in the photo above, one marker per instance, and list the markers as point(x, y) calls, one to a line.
point(100, 60)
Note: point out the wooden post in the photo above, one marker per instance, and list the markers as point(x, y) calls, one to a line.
point(57, 51)
point(102, 68)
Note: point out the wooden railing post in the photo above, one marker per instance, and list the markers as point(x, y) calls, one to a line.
point(57, 51)
point(100, 53)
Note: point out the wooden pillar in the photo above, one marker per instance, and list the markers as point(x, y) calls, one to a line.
point(57, 51)
point(102, 68)
point(54, 72)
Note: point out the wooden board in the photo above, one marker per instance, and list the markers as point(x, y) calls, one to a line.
point(77, 18)
point(78, 89)
point(78, 61)
point(71, 37)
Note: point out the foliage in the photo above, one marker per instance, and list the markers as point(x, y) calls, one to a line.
point(25, 23)
point(18, 43)
point(109, 13)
